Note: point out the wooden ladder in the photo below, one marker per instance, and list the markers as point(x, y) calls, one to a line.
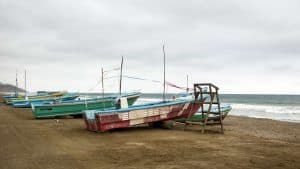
point(209, 95)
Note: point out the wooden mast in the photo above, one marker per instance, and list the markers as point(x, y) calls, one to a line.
point(120, 87)
point(187, 83)
point(102, 79)
point(16, 89)
point(164, 92)
point(25, 86)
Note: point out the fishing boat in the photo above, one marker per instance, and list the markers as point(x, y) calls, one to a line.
point(15, 95)
point(150, 113)
point(42, 110)
point(6, 97)
point(27, 103)
point(123, 116)
point(18, 96)
point(39, 95)
point(56, 94)
point(199, 117)
point(43, 93)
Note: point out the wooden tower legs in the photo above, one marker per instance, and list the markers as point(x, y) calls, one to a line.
point(208, 94)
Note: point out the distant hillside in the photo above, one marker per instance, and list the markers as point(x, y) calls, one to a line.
point(9, 88)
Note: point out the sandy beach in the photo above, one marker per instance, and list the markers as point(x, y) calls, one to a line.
point(65, 143)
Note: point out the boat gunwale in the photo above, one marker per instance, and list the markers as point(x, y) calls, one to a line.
point(80, 102)
point(42, 99)
point(224, 108)
point(58, 94)
point(141, 106)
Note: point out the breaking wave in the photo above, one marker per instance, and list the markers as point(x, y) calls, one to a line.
point(275, 112)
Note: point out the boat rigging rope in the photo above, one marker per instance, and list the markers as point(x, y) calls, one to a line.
point(156, 81)
point(105, 73)
point(139, 78)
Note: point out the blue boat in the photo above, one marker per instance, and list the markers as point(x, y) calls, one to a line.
point(9, 97)
point(27, 103)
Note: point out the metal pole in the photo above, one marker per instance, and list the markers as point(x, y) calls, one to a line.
point(164, 92)
point(102, 78)
point(25, 86)
point(16, 89)
point(120, 88)
point(187, 83)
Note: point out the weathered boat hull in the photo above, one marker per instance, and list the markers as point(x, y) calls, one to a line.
point(75, 108)
point(5, 98)
point(9, 100)
point(27, 103)
point(56, 94)
point(135, 115)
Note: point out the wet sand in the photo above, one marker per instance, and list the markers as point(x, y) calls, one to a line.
point(26, 143)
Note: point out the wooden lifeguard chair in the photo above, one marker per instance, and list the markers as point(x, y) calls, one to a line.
point(209, 95)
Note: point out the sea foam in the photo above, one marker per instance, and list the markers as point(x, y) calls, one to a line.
point(276, 112)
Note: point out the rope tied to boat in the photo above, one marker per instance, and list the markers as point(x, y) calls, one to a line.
point(143, 79)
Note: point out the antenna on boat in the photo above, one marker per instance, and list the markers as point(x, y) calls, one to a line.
point(16, 89)
point(164, 92)
point(120, 88)
point(25, 86)
point(102, 79)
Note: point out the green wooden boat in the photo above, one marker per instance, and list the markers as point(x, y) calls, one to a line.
point(76, 107)
point(199, 117)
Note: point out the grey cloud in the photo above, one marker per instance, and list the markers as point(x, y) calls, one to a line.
point(232, 37)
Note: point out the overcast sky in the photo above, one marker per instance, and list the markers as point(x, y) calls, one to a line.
point(250, 46)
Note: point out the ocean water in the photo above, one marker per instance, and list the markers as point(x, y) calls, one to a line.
point(276, 107)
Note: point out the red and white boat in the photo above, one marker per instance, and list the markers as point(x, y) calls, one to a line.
point(104, 120)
